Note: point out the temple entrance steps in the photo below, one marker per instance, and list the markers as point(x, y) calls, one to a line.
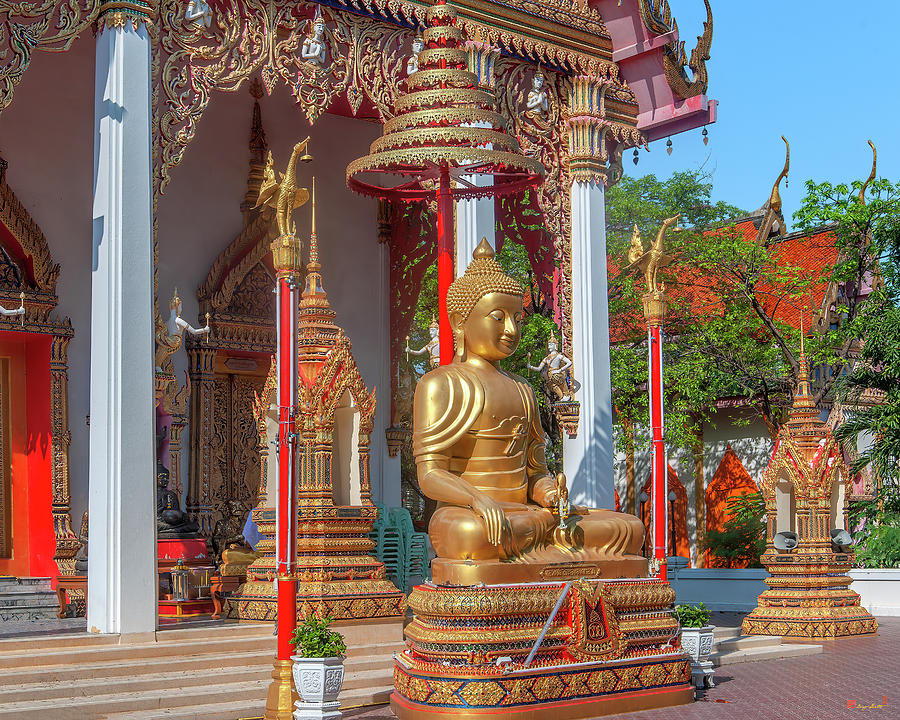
point(24, 599)
point(218, 672)
point(729, 646)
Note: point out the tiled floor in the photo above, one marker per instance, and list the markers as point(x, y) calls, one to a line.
point(861, 670)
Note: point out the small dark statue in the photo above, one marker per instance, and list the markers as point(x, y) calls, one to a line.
point(81, 557)
point(171, 522)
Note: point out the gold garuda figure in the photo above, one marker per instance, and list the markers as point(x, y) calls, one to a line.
point(479, 451)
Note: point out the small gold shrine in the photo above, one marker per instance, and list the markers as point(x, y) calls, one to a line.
point(334, 417)
point(805, 488)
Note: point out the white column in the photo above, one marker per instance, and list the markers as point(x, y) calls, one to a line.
point(122, 580)
point(588, 458)
point(474, 220)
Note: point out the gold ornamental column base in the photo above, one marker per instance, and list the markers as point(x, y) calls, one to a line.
point(282, 694)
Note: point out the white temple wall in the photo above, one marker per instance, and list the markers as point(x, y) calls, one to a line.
point(748, 437)
point(46, 136)
point(199, 214)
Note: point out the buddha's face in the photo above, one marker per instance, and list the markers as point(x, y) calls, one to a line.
point(418, 46)
point(493, 328)
point(319, 28)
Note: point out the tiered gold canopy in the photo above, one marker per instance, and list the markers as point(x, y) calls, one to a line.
point(444, 119)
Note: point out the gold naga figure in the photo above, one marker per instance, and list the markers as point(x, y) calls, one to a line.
point(284, 197)
point(479, 451)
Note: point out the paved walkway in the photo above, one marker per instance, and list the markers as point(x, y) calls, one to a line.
point(861, 670)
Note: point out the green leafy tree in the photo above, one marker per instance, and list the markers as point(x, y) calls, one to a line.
point(873, 387)
point(725, 337)
point(872, 392)
point(741, 541)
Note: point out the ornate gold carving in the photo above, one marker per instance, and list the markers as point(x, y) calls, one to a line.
point(598, 134)
point(459, 633)
point(235, 470)
point(50, 25)
point(540, 136)
point(595, 631)
point(366, 61)
point(67, 543)
point(366, 58)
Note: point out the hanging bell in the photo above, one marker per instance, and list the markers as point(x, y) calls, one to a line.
point(669, 146)
point(705, 135)
point(636, 156)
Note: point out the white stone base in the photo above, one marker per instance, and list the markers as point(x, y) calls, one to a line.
point(702, 674)
point(317, 711)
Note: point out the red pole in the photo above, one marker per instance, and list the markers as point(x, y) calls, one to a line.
point(286, 532)
point(445, 262)
point(659, 465)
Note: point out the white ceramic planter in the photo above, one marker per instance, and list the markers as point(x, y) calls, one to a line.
point(318, 682)
point(698, 642)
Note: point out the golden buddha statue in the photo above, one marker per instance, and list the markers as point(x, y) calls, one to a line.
point(479, 450)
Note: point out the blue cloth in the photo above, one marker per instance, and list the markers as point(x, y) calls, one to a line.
point(251, 532)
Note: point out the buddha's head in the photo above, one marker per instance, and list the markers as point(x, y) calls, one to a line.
point(162, 476)
point(418, 45)
point(537, 82)
point(485, 307)
point(552, 347)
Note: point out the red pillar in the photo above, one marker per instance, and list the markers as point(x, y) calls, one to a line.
point(658, 447)
point(286, 516)
point(445, 261)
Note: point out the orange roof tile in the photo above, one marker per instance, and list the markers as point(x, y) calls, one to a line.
point(693, 295)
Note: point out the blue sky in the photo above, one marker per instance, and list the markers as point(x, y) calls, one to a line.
point(822, 74)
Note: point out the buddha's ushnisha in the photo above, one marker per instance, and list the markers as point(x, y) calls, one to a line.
point(479, 451)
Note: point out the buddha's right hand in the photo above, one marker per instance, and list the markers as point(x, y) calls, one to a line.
point(494, 518)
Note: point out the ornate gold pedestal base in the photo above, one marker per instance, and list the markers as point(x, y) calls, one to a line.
point(809, 597)
point(463, 573)
point(282, 694)
point(338, 578)
point(612, 647)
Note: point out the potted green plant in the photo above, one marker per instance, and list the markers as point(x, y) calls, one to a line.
point(697, 641)
point(318, 668)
